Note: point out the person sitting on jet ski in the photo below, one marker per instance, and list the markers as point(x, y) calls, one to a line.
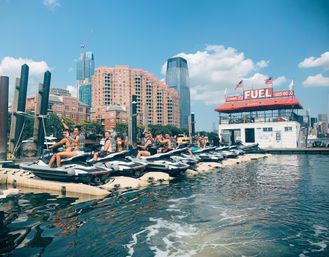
point(106, 148)
point(68, 149)
point(166, 142)
point(148, 148)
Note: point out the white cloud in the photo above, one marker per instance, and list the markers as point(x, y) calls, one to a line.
point(262, 64)
point(72, 90)
point(310, 62)
point(216, 68)
point(258, 80)
point(51, 4)
point(11, 67)
point(317, 80)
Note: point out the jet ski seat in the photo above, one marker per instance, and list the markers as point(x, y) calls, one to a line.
point(80, 157)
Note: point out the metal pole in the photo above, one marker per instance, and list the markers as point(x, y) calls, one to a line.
point(190, 128)
point(37, 120)
point(13, 119)
point(4, 89)
point(307, 125)
point(134, 119)
point(21, 102)
point(43, 110)
point(129, 125)
point(193, 123)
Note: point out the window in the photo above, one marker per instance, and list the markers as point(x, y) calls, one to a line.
point(288, 129)
point(267, 129)
point(250, 135)
point(278, 136)
point(66, 108)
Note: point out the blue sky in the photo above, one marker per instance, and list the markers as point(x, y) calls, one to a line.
point(224, 42)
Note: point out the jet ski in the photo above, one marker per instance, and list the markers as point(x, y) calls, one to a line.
point(161, 162)
point(236, 149)
point(71, 170)
point(226, 152)
point(119, 164)
point(182, 155)
point(207, 155)
point(252, 148)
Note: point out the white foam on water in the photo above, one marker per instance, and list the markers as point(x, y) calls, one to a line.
point(318, 230)
point(133, 242)
point(321, 244)
point(181, 198)
point(168, 238)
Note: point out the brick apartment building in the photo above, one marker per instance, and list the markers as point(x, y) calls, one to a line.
point(112, 87)
point(63, 106)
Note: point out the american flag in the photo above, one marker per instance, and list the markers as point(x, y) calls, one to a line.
point(240, 84)
point(269, 81)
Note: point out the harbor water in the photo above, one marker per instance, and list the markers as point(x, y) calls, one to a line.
point(278, 206)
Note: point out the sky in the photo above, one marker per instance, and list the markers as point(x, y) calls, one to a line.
point(223, 41)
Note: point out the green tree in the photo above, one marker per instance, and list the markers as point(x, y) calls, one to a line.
point(167, 129)
point(122, 129)
point(93, 129)
point(54, 126)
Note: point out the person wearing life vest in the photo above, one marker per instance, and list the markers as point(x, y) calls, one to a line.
point(106, 148)
point(148, 148)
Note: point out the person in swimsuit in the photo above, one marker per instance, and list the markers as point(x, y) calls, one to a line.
point(65, 142)
point(166, 142)
point(69, 152)
point(106, 148)
point(147, 149)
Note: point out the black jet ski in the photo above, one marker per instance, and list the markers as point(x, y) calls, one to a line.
point(72, 170)
point(161, 162)
point(252, 148)
point(207, 155)
point(119, 164)
point(226, 152)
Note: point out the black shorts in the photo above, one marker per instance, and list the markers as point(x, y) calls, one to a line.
point(152, 151)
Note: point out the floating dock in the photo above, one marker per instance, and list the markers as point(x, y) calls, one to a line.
point(18, 178)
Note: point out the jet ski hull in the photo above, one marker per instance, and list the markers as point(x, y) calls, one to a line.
point(67, 175)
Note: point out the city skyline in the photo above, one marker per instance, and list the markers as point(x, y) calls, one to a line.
point(247, 40)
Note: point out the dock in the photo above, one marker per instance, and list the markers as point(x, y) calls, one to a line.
point(28, 182)
point(303, 150)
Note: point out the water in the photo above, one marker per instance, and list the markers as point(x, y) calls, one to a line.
point(278, 206)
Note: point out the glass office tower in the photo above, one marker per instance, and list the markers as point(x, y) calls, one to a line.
point(85, 66)
point(177, 77)
point(85, 71)
point(85, 94)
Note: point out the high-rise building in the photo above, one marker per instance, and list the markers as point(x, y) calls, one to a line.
point(85, 66)
point(59, 92)
point(85, 94)
point(85, 71)
point(157, 103)
point(323, 117)
point(177, 77)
